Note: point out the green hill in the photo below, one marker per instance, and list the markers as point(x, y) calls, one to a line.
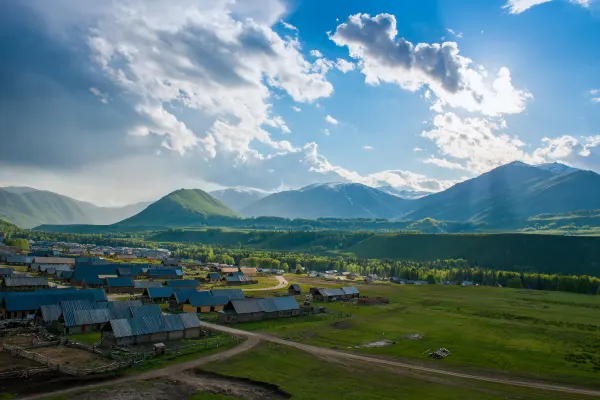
point(184, 207)
point(7, 227)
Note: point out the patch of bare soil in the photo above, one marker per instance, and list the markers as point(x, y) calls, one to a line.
point(25, 339)
point(47, 381)
point(379, 343)
point(341, 325)
point(236, 387)
point(413, 336)
point(11, 363)
point(72, 356)
point(156, 389)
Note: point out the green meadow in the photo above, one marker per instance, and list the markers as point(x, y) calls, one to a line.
point(551, 336)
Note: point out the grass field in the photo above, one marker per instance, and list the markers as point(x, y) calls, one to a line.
point(552, 336)
point(307, 377)
point(86, 338)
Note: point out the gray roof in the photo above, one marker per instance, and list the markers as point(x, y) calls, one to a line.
point(146, 284)
point(26, 281)
point(350, 290)
point(173, 323)
point(331, 292)
point(121, 327)
point(147, 324)
point(295, 287)
point(190, 320)
point(81, 312)
point(121, 309)
point(233, 294)
point(51, 312)
point(275, 304)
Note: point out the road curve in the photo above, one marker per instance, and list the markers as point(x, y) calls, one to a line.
point(172, 371)
point(282, 284)
point(373, 360)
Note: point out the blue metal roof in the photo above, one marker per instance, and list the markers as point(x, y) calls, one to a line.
point(202, 299)
point(275, 304)
point(122, 309)
point(11, 281)
point(182, 294)
point(214, 276)
point(165, 272)
point(350, 290)
point(148, 322)
point(233, 294)
point(81, 312)
point(183, 283)
point(146, 284)
point(26, 301)
point(66, 274)
point(159, 292)
point(173, 323)
point(190, 320)
point(51, 312)
point(119, 282)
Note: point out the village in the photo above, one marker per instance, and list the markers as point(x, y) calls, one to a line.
point(80, 310)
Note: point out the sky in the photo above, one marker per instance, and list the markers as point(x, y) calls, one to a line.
point(121, 101)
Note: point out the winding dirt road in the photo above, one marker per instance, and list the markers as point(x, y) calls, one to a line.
point(320, 351)
point(282, 283)
point(173, 371)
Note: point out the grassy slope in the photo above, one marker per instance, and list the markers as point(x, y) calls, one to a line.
point(34, 208)
point(307, 377)
point(181, 208)
point(7, 227)
point(516, 332)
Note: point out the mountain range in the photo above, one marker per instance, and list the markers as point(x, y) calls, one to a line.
point(28, 207)
point(505, 195)
point(238, 198)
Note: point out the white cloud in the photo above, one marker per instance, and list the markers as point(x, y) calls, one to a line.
point(289, 26)
point(594, 92)
point(344, 65)
point(331, 120)
point(417, 149)
point(396, 178)
point(444, 163)
point(99, 94)
point(368, 147)
point(297, 109)
point(518, 6)
point(316, 53)
point(206, 58)
point(459, 35)
point(596, 99)
point(326, 132)
point(481, 145)
point(278, 122)
point(451, 78)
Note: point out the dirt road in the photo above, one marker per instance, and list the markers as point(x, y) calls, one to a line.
point(174, 371)
point(320, 351)
point(282, 283)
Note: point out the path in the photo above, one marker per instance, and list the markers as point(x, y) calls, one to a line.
point(282, 284)
point(321, 351)
point(173, 371)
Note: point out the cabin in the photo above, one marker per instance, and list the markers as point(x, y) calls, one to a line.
point(54, 260)
point(183, 283)
point(25, 305)
point(119, 285)
point(149, 325)
point(238, 280)
point(23, 283)
point(165, 273)
point(204, 302)
point(294, 289)
point(18, 260)
point(214, 277)
point(4, 272)
point(80, 316)
point(344, 293)
point(248, 271)
point(179, 296)
point(157, 294)
point(232, 294)
point(139, 286)
point(258, 309)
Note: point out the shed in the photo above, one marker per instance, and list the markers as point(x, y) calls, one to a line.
point(294, 289)
point(259, 309)
point(119, 285)
point(81, 316)
point(24, 283)
point(23, 304)
point(139, 286)
point(202, 302)
point(122, 309)
point(157, 294)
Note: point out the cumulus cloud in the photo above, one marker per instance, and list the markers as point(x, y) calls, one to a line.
point(595, 95)
point(203, 57)
point(344, 65)
point(316, 53)
point(367, 147)
point(444, 163)
point(297, 109)
point(289, 26)
point(480, 145)
point(278, 122)
point(452, 78)
point(331, 120)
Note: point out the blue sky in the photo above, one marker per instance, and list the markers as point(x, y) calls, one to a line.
point(129, 100)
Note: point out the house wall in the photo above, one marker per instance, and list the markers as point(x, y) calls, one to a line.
point(159, 337)
point(190, 308)
point(191, 333)
point(218, 308)
point(143, 338)
point(204, 309)
point(175, 335)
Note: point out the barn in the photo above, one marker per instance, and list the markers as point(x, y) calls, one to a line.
point(258, 309)
point(203, 302)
